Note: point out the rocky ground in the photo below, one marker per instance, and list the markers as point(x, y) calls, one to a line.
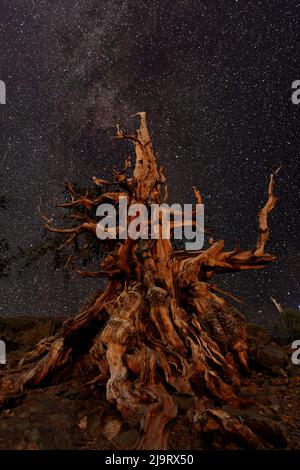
point(75, 414)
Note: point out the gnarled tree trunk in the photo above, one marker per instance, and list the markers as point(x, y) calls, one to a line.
point(161, 326)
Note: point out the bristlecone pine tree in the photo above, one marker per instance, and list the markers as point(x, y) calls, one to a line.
point(159, 328)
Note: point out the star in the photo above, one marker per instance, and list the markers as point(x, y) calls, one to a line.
point(216, 84)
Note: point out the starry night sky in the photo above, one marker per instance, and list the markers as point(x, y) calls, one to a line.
point(215, 79)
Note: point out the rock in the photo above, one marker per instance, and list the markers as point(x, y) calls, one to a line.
point(133, 419)
point(20, 444)
point(23, 414)
point(127, 440)
point(47, 437)
point(219, 428)
point(32, 446)
point(47, 329)
point(183, 402)
point(276, 370)
point(21, 425)
point(266, 428)
point(62, 441)
point(32, 435)
point(275, 408)
point(112, 429)
point(71, 393)
point(248, 391)
point(266, 353)
point(37, 417)
point(83, 423)
point(95, 424)
point(279, 381)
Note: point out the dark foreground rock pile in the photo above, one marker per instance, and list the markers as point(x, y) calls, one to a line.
point(76, 415)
